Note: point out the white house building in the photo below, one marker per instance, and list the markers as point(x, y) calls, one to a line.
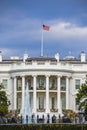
point(53, 82)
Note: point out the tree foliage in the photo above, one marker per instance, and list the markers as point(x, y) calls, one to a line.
point(82, 94)
point(70, 112)
point(4, 102)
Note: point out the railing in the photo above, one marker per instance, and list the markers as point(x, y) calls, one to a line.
point(30, 88)
point(41, 110)
point(63, 88)
point(19, 88)
point(53, 63)
point(40, 88)
point(54, 110)
point(53, 88)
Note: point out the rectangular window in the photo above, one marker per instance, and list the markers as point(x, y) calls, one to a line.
point(63, 84)
point(53, 82)
point(53, 103)
point(63, 101)
point(29, 83)
point(77, 103)
point(41, 82)
point(77, 83)
point(19, 100)
point(19, 84)
point(5, 83)
point(41, 103)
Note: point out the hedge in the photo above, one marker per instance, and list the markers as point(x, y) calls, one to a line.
point(44, 127)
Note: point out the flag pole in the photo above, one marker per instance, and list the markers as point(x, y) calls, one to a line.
point(42, 42)
point(45, 27)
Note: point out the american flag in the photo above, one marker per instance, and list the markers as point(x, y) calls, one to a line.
point(45, 27)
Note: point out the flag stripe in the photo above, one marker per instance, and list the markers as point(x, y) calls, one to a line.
point(45, 27)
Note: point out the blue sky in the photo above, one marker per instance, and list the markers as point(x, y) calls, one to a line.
point(21, 24)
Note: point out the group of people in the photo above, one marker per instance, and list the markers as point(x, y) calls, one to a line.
point(12, 118)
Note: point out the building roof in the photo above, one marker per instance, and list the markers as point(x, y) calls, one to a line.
point(10, 61)
point(41, 58)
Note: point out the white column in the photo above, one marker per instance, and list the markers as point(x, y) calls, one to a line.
point(34, 94)
point(47, 94)
point(15, 94)
point(67, 92)
point(58, 96)
point(23, 92)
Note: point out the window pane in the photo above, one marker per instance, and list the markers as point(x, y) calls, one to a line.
point(77, 103)
point(53, 82)
point(19, 84)
point(63, 84)
point(53, 103)
point(41, 102)
point(41, 82)
point(63, 99)
point(5, 83)
point(77, 83)
point(29, 83)
point(19, 101)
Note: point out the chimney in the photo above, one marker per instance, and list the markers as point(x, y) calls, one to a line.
point(25, 57)
point(0, 56)
point(57, 56)
point(83, 56)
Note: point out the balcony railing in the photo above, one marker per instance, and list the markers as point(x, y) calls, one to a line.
point(19, 88)
point(54, 110)
point(41, 88)
point(30, 88)
point(41, 110)
point(53, 88)
point(63, 88)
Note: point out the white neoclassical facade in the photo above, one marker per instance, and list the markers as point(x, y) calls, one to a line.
point(53, 82)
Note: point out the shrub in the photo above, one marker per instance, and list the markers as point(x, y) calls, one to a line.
point(45, 127)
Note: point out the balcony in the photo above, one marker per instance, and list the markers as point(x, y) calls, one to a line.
point(54, 110)
point(53, 88)
point(41, 88)
point(19, 88)
point(41, 110)
point(63, 88)
point(30, 88)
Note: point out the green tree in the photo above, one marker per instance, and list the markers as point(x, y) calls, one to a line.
point(82, 98)
point(82, 95)
point(70, 113)
point(4, 102)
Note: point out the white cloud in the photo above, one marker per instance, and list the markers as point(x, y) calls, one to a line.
point(29, 30)
point(8, 52)
point(68, 30)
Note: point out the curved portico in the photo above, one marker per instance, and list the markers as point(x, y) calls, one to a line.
point(48, 93)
